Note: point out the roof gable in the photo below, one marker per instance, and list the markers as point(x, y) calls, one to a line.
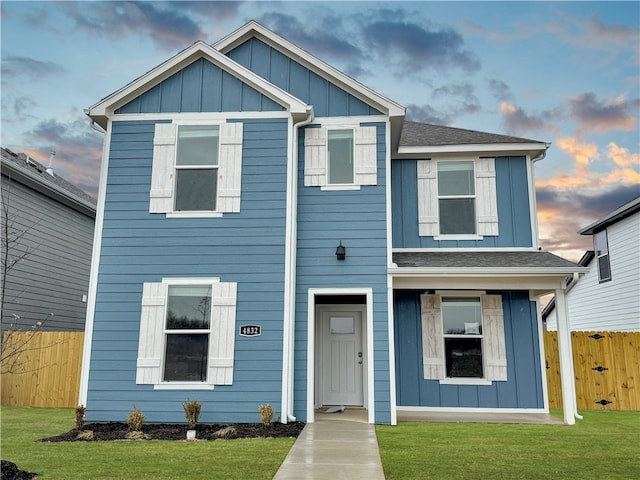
point(254, 30)
point(200, 87)
point(109, 105)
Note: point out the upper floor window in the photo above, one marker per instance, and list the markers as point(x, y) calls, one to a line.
point(457, 199)
point(601, 248)
point(340, 157)
point(197, 169)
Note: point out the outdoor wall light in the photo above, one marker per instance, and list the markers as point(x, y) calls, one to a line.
point(341, 251)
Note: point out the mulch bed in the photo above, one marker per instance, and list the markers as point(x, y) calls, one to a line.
point(9, 471)
point(168, 431)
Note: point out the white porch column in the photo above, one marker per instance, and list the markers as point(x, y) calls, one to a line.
point(566, 359)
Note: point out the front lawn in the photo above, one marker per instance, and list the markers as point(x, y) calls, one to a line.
point(605, 445)
point(153, 459)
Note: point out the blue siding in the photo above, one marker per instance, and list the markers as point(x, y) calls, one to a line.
point(358, 219)
point(201, 87)
point(523, 388)
point(513, 207)
point(327, 99)
point(140, 247)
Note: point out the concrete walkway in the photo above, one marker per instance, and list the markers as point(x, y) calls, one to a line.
point(334, 448)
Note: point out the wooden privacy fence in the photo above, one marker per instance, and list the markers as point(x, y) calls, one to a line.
point(48, 374)
point(606, 367)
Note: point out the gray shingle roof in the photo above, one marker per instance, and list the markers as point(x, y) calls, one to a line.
point(481, 260)
point(424, 134)
point(34, 170)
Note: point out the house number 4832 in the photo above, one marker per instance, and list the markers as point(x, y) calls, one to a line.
point(250, 330)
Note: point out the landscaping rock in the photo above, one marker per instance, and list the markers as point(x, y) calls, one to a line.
point(10, 471)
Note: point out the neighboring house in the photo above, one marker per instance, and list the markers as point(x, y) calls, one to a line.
point(272, 231)
point(607, 297)
point(50, 225)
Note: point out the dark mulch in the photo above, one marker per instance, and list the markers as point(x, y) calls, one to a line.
point(10, 471)
point(170, 431)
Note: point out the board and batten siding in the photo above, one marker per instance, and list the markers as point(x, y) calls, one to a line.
point(358, 219)
point(53, 275)
point(201, 87)
point(327, 99)
point(523, 387)
point(612, 306)
point(138, 247)
point(514, 219)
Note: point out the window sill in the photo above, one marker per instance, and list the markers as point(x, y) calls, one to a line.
point(458, 237)
point(340, 187)
point(194, 214)
point(183, 386)
point(465, 381)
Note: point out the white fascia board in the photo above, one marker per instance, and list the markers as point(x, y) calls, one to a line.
point(474, 148)
point(542, 284)
point(314, 64)
point(199, 49)
point(485, 271)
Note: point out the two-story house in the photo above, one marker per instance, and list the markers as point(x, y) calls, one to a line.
point(272, 231)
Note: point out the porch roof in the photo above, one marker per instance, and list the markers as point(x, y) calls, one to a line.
point(529, 270)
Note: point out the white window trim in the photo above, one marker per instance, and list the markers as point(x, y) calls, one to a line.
point(229, 168)
point(316, 157)
point(460, 236)
point(485, 198)
point(602, 279)
point(435, 366)
point(220, 339)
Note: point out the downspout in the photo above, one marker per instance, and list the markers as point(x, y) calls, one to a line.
point(290, 274)
point(93, 274)
point(576, 277)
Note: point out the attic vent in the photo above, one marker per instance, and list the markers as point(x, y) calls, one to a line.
point(50, 166)
point(34, 164)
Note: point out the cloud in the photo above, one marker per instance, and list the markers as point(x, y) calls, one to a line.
point(28, 69)
point(561, 213)
point(500, 90)
point(412, 47)
point(427, 114)
point(602, 116)
point(78, 149)
point(169, 25)
point(517, 121)
point(327, 39)
point(449, 103)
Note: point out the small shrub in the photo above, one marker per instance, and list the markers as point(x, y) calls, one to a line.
point(266, 414)
point(192, 410)
point(135, 419)
point(226, 432)
point(80, 411)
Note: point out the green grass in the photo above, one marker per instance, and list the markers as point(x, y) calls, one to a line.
point(605, 445)
point(153, 459)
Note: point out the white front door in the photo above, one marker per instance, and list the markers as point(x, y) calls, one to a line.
point(342, 358)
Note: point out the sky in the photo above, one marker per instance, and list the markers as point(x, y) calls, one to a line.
point(566, 73)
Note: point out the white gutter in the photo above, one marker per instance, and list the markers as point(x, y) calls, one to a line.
point(484, 271)
point(288, 329)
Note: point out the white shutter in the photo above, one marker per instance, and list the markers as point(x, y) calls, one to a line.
point(315, 157)
point(486, 198)
point(365, 154)
point(230, 167)
point(432, 342)
point(162, 173)
point(222, 338)
point(428, 225)
point(149, 364)
point(495, 353)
